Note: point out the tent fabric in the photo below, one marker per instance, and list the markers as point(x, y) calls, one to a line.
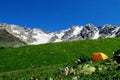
point(99, 56)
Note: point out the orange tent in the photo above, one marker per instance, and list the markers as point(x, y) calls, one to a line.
point(99, 56)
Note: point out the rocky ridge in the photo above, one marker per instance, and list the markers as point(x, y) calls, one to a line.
point(37, 36)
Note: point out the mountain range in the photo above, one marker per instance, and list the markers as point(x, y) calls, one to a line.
point(14, 35)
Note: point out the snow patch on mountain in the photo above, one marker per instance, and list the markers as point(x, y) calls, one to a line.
point(40, 37)
point(77, 30)
point(97, 35)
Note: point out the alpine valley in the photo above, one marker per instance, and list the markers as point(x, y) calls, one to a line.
point(66, 56)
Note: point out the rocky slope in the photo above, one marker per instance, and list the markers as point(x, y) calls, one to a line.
point(9, 40)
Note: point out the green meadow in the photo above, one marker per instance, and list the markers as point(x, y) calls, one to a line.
point(40, 62)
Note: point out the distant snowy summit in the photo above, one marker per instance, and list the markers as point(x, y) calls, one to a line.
point(37, 36)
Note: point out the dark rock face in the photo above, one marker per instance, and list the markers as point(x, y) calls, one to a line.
point(89, 32)
point(116, 56)
point(8, 40)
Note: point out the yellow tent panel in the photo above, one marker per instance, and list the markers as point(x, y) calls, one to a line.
point(99, 56)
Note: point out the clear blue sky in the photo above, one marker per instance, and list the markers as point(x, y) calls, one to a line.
point(54, 15)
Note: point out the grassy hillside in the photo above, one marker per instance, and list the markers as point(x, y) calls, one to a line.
point(53, 53)
point(46, 60)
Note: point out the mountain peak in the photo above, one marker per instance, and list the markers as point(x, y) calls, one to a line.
point(107, 26)
point(89, 26)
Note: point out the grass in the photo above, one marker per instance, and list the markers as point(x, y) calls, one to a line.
point(50, 55)
point(41, 73)
point(53, 53)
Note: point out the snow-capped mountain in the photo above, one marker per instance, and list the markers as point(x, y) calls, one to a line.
point(37, 36)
